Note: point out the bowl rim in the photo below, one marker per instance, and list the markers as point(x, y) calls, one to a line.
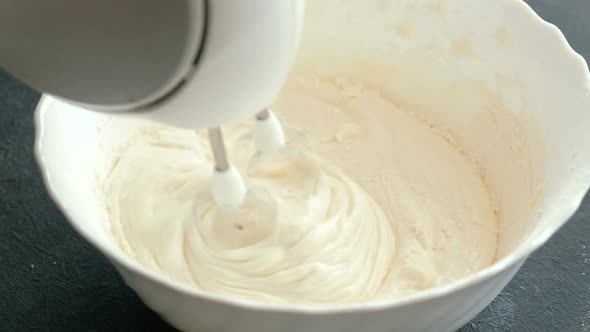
point(503, 264)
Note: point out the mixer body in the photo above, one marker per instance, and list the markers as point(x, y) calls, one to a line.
point(190, 63)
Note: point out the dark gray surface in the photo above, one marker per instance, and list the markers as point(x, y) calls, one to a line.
point(51, 280)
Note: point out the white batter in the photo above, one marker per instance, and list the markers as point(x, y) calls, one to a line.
point(367, 202)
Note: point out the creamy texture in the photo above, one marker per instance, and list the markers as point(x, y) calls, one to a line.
point(367, 202)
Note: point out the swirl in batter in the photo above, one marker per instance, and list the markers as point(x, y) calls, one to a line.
point(391, 206)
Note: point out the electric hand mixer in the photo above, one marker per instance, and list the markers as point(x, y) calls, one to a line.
point(189, 63)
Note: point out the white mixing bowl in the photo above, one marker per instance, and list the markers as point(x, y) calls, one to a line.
point(501, 80)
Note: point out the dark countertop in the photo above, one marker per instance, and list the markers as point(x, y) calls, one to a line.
point(52, 280)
